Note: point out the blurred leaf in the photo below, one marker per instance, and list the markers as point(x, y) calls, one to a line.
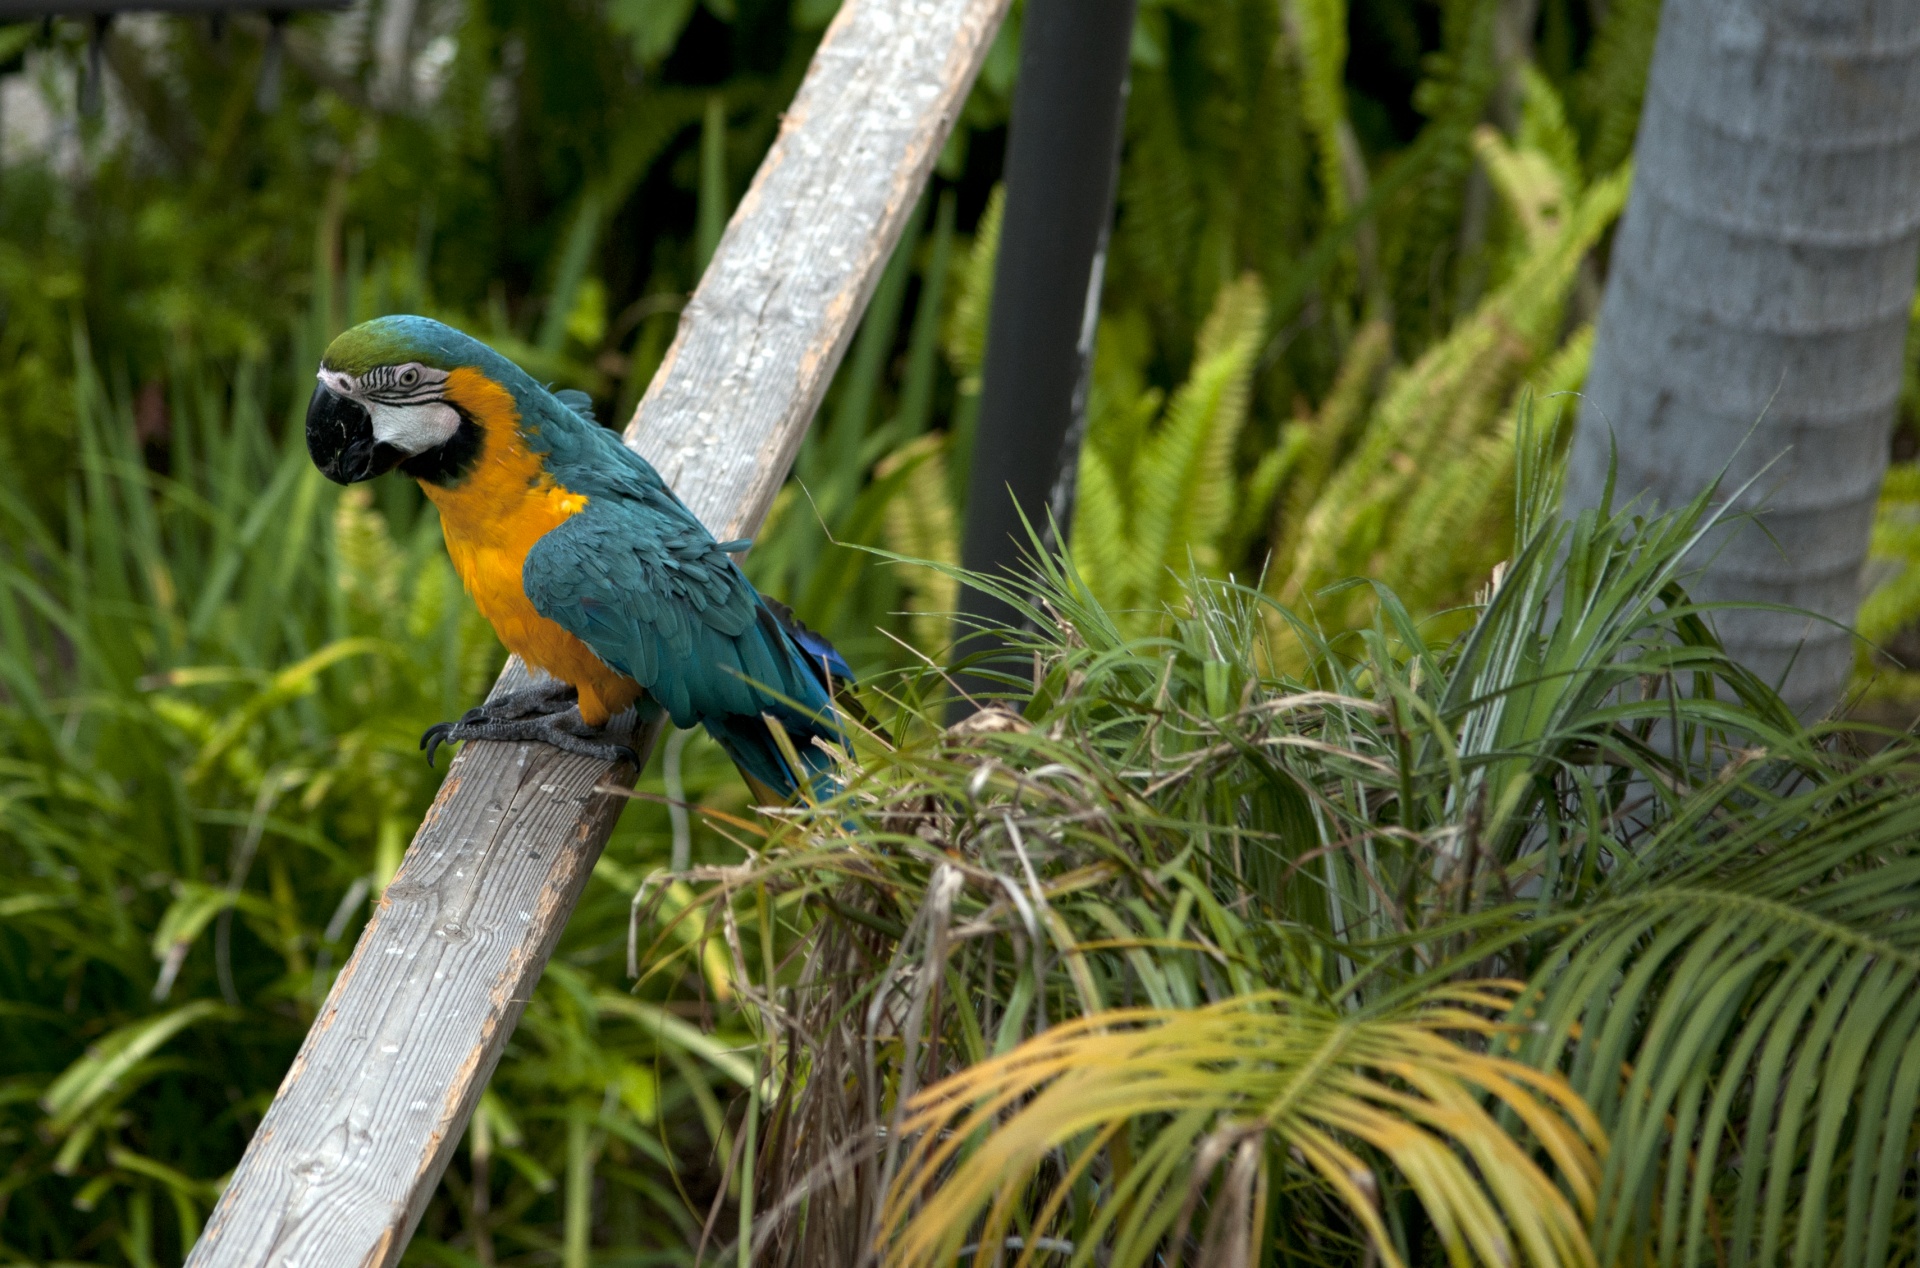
point(670, 1029)
point(811, 15)
point(15, 39)
point(654, 26)
point(97, 1075)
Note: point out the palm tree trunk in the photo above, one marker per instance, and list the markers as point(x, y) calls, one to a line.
point(1756, 309)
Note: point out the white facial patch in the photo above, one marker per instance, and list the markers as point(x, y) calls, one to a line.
point(403, 402)
point(414, 429)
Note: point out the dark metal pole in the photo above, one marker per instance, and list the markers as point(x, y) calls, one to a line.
point(1063, 159)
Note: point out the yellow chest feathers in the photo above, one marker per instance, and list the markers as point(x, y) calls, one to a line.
point(504, 504)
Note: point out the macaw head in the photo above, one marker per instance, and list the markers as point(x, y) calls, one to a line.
point(399, 392)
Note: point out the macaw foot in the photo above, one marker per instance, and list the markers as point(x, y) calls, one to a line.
point(549, 695)
point(546, 714)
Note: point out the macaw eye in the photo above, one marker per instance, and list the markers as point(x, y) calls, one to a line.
point(409, 377)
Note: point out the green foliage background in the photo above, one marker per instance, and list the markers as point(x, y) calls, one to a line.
point(1350, 237)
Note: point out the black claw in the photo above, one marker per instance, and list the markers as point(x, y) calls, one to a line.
point(436, 735)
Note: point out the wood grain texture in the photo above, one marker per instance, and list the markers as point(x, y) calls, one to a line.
point(353, 1146)
point(761, 338)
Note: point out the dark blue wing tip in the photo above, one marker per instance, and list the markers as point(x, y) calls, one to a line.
point(814, 644)
point(827, 654)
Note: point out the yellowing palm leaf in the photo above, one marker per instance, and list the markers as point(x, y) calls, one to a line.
point(1263, 1079)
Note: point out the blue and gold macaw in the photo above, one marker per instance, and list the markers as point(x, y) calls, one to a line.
point(579, 554)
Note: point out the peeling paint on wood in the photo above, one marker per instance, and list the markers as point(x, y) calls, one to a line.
point(356, 1140)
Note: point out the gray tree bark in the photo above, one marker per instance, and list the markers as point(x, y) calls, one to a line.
point(1757, 303)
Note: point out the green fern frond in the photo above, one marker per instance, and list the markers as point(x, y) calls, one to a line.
point(1318, 29)
point(1615, 80)
point(1255, 511)
point(921, 524)
point(1544, 128)
point(1185, 478)
point(1162, 211)
point(1454, 527)
point(1531, 185)
point(1439, 406)
point(1120, 410)
point(1454, 95)
point(1121, 405)
point(367, 564)
point(1329, 432)
point(1102, 545)
point(1155, 496)
point(435, 593)
point(966, 341)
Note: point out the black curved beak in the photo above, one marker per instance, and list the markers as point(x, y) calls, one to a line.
point(341, 442)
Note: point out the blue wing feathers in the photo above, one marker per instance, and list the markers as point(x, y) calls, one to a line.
point(638, 578)
point(577, 401)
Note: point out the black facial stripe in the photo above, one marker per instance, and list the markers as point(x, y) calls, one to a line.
point(448, 464)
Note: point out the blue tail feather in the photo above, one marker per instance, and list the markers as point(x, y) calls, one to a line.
point(751, 744)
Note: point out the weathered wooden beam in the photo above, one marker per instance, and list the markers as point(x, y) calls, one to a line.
point(354, 1143)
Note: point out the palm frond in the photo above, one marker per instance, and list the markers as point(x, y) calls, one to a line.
point(1259, 1083)
point(1742, 996)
